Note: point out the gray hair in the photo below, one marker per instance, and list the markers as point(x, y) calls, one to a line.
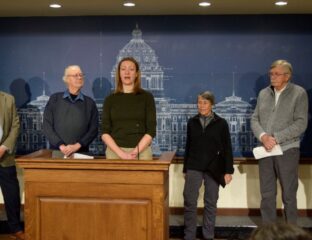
point(208, 96)
point(66, 70)
point(286, 65)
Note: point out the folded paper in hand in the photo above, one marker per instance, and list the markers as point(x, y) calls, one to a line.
point(260, 152)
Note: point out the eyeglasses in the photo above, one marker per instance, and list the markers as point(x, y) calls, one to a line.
point(78, 75)
point(274, 74)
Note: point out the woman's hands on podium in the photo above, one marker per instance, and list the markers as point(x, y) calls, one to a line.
point(128, 155)
point(70, 149)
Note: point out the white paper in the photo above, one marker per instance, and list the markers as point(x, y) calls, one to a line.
point(82, 156)
point(260, 152)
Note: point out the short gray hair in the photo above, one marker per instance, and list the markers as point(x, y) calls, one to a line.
point(208, 96)
point(66, 70)
point(285, 64)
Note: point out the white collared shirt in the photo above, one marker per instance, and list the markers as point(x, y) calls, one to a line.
point(278, 94)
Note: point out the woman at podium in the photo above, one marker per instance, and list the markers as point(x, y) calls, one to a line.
point(129, 115)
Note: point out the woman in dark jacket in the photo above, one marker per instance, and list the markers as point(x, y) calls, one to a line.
point(208, 158)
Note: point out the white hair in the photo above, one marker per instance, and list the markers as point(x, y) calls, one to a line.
point(67, 69)
point(285, 64)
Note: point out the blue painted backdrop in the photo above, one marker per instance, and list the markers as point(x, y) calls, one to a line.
point(228, 55)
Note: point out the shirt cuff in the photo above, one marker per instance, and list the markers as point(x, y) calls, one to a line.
point(261, 134)
point(5, 147)
point(60, 143)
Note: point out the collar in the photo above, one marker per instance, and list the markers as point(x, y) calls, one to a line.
point(273, 91)
point(280, 91)
point(213, 115)
point(79, 97)
point(207, 117)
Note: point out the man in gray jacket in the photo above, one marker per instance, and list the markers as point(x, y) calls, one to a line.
point(280, 117)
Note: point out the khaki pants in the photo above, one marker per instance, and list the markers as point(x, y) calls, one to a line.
point(145, 155)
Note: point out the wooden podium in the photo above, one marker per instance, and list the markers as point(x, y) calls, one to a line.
point(98, 199)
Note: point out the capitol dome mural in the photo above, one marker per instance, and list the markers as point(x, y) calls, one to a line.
point(171, 117)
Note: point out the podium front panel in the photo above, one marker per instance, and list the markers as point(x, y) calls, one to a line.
point(74, 202)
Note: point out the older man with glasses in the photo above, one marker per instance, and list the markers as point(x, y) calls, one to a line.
point(70, 120)
point(280, 117)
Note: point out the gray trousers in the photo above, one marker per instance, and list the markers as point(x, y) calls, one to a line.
point(284, 168)
point(193, 182)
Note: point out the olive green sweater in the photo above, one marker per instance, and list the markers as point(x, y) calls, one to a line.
point(127, 117)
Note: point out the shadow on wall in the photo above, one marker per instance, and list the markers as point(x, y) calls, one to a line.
point(101, 88)
point(31, 137)
point(245, 135)
point(38, 86)
point(20, 89)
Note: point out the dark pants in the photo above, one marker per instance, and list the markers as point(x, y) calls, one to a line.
point(11, 195)
point(193, 182)
point(284, 168)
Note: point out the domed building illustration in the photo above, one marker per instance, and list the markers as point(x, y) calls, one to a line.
point(31, 138)
point(238, 114)
point(152, 75)
point(171, 117)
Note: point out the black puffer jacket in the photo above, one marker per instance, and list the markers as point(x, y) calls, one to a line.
point(209, 149)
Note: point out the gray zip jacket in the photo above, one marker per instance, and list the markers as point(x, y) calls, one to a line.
point(286, 120)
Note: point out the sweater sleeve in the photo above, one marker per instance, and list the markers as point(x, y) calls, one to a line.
point(92, 126)
point(255, 120)
point(10, 141)
point(187, 146)
point(228, 154)
point(150, 116)
point(106, 116)
point(48, 123)
point(300, 122)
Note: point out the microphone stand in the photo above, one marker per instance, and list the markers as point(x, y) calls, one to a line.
point(137, 125)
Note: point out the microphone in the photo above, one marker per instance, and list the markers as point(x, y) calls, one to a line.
point(138, 125)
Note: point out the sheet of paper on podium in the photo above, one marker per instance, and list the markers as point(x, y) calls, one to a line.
point(261, 152)
point(81, 156)
point(59, 154)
